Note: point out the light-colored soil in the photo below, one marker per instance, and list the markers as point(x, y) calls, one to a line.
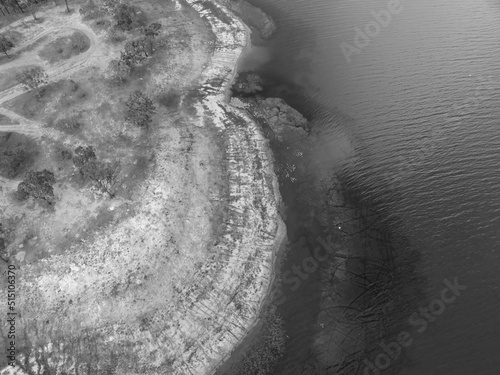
point(170, 275)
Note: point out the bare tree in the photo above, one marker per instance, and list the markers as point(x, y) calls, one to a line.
point(104, 175)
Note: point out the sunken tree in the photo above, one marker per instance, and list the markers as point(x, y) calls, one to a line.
point(140, 109)
point(38, 185)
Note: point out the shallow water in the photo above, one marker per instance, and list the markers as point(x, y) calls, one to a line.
point(413, 124)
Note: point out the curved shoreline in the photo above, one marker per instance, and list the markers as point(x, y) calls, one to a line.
point(215, 302)
point(232, 41)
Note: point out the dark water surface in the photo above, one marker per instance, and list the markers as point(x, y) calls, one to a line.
point(414, 123)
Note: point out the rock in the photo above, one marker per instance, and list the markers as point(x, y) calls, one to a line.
point(253, 17)
point(283, 120)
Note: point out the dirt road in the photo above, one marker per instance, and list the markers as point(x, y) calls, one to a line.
point(55, 72)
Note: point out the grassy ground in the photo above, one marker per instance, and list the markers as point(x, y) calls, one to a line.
point(97, 102)
point(173, 212)
point(65, 47)
point(8, 77)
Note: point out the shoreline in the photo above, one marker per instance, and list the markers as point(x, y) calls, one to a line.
point(221, 99)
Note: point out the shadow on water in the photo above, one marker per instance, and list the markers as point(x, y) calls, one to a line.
point(339, 308)
point(347, 281)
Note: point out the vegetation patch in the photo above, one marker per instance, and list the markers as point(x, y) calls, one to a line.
point(65, 47)
point(17, 153)
point(33, 103)
point(73, 93)
point(170, 100)
point(70, 124)
point(8, 77)
point(5, 120)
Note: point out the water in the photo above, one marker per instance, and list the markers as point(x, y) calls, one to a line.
point(414, 124)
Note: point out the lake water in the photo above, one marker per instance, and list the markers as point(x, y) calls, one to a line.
point(413, 124)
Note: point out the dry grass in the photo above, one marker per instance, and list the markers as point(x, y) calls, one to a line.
point(65, 47)
point(107, 261)
point(8, 77)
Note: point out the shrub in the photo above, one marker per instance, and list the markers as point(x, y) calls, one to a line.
point(116, 36)
point(91, 11)
point(140, 109)
point(136, 51)
point(5, 45)
point(124, 17)
point(119, 69)
point(16, 154)
point(69, 125)
point(83, 156)
point(66, 154)
point(37, 185)
point(13, 161)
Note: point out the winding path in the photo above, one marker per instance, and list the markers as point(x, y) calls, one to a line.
point(55, 72)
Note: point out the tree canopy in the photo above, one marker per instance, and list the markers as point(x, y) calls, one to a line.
point(33, 79)
point(153, 30)
point(136, 52)
point(119, 68)
point(83, 155)
point(124, 17)
point(140, 109)
point(103, 174)
point(37, 185)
